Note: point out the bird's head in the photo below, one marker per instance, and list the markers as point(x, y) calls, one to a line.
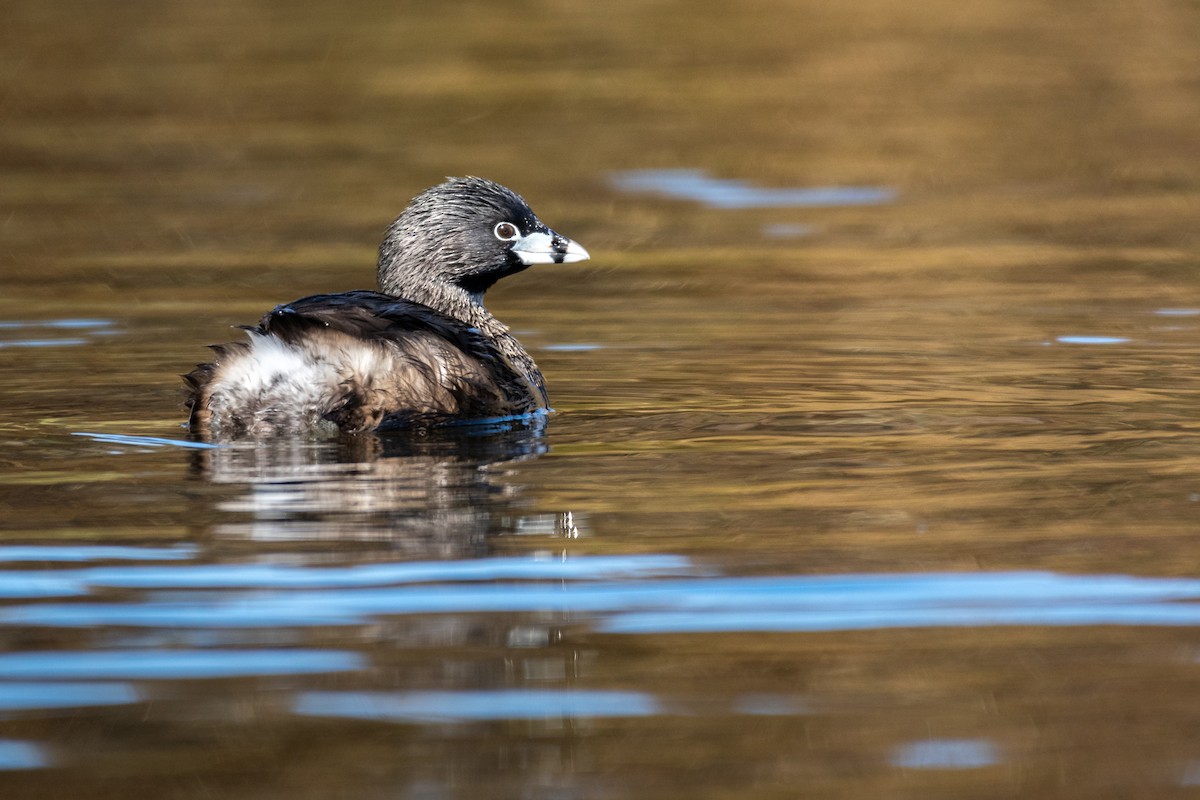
point(466, 233)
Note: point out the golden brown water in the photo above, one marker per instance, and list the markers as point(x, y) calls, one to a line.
point(891, 498)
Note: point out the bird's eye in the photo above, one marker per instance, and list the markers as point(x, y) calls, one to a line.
point(506, 231)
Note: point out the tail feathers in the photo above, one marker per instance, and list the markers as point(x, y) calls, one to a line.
point(197, 383)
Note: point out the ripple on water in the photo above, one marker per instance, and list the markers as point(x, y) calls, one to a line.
point(31, 552)
point(31, 696)
point(1191, 775)
point(784, 230)
point(572, 348)
point(1091, 339)
point(946, 754)
point(173, 664)
point(32, 585)
point(476, 705)
point(84, 329)
point(590, 568)
point(41, 343)
point(146, 441)
point(16, 754)
point(694, 184)
point(625, 595)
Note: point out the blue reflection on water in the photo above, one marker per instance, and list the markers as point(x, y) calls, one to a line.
point(694, 184)
point(476, 705)
point(146, 441)
point(488, 569)
point(81, 552)
point(43, 343)
point(796, 620)
point(613, 591)
point(898, 601)
point(90, 327)
point(490, 426)
point(68, 324)
point(1092, 339)
point(28, 585)
point(946, 754)
point(787, 230)
point(173, 664)
point(264, 612)
point(27, 696)
point(79, 323)
point(16, 754)
point(572, 348)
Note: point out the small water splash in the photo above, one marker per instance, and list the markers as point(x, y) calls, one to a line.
point(946, 754)
point(1178, 312)
point(694, 184)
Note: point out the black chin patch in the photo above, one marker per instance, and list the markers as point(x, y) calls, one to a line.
point(482, 281)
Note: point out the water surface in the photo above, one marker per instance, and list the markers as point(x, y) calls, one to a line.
point(873, 468)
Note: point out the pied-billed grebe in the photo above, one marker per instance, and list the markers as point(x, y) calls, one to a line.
point(422, 351)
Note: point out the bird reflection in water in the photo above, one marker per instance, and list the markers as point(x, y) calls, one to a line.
point(437, 493)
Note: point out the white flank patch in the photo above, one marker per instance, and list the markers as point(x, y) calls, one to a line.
point(274, 378)
point(270, 361)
